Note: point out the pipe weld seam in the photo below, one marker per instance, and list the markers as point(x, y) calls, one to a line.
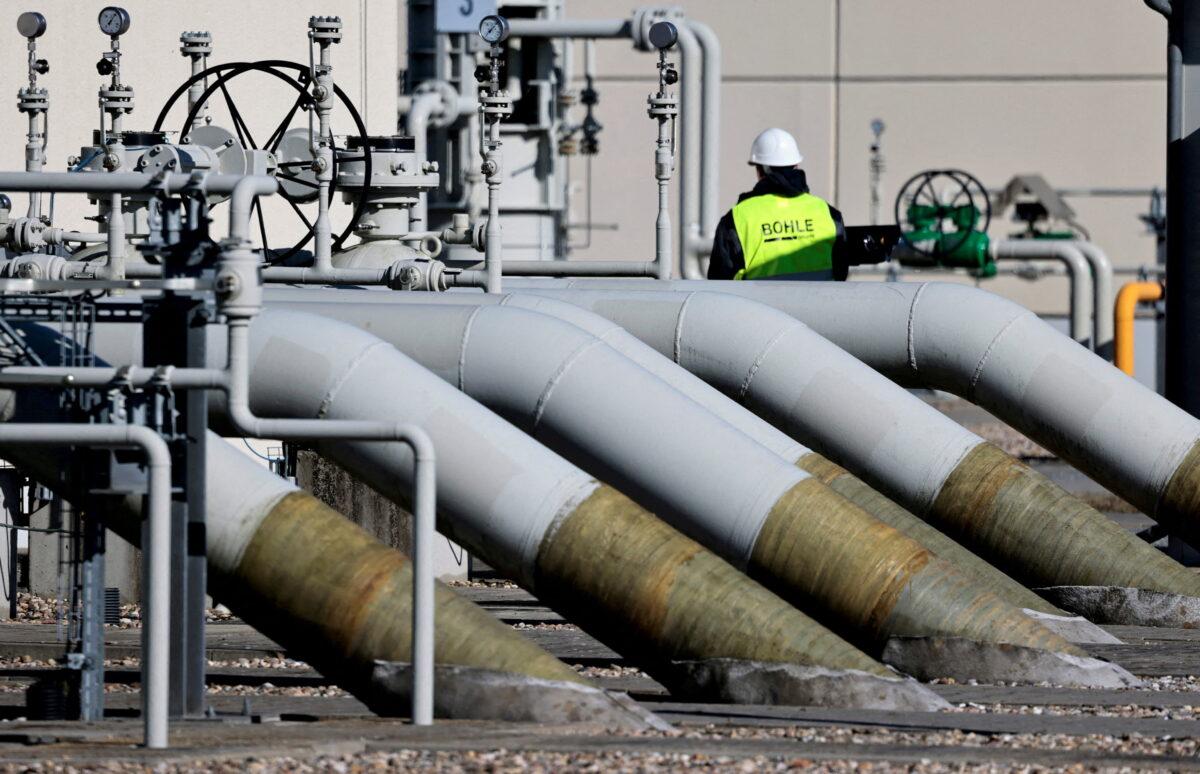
point(462, 348)
point(677, 343)
point(744, 387)
point(977, 373)
point(331, 394)
point(559, 373)
point(912, 327)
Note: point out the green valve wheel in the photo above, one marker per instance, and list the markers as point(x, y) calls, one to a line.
point(943, 216)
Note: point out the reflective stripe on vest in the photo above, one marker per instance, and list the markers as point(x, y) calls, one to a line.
point(784, 235)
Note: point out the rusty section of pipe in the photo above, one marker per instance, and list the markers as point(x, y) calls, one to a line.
point(652, 593)
point(1020, 520)
point(342, 600)
point(875, 581)
point(858, 492)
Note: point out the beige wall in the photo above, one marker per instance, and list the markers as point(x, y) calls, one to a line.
point(1072, 89)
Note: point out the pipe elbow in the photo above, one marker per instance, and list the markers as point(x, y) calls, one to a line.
point(952, 330)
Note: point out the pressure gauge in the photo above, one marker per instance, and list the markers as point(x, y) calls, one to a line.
point(31, 24)
point(494, 29)
point(114, 21)
point(663, 35)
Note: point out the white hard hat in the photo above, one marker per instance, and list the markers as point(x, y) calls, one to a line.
point(775, 148)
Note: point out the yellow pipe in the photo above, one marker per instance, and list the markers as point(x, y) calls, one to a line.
point(1130, 295)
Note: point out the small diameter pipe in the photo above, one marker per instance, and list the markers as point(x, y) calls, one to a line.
point(1102, 296)
point(472, 276)
point(1078, 271)
point(662, 225)
point(570, 28)
point(245, 422)
point(417, 123)
point(156, 637)
point(1124, 311)
point(116, 237)
point(710, 149)
point(691, 67)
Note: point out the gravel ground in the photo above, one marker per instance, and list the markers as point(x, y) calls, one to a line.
point(35, 609)
point(483, 584)
point(1010, 441)
point(498, 761)
point(1133, 744)
point(546, 626)
point(612, 670)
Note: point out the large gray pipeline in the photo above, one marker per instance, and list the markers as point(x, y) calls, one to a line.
point(527, 511)
point(787, 448)
point(615, 419)
point(964, 486)
point(1000, 355)
point(580, 546)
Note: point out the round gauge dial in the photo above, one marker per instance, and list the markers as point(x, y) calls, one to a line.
point(494, 29)
point(31, 24)
point(114, 20)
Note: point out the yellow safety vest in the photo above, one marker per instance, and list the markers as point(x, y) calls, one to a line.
point(783, 235)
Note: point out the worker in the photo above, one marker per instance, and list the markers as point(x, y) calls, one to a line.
point(779, 230)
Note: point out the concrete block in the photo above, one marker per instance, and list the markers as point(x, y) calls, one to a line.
point(470, 693)
point(1125, 606)
point(929, 658)
point(1073, 628)
point(756, 682)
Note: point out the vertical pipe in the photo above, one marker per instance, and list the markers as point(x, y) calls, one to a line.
point(1102, 297)
point(424, 515)
point(710, 145)
point(662, 224)
point(116, 237)
point(494, 235)
point(689, 145)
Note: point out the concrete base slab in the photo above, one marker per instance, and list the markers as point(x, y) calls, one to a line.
point(756, 682)
point(468, 693)
point(1131, 607)
point(1073, 628)
point(929, 658)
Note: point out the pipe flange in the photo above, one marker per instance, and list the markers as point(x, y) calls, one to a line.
point(198, 43)
point(33, 100)
point(662, 107)
point(645, 17)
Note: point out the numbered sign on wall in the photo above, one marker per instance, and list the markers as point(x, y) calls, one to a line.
point(462, 15)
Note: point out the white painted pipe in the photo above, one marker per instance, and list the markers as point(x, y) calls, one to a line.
point(1103, 296)
point(690, 140)
point(1001, 356)
point(845, 409)
point(1078, 271)
point(710, 150)
point(538, 371)
point(156, 573)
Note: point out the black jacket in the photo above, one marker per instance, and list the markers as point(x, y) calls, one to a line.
point(726, 258)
